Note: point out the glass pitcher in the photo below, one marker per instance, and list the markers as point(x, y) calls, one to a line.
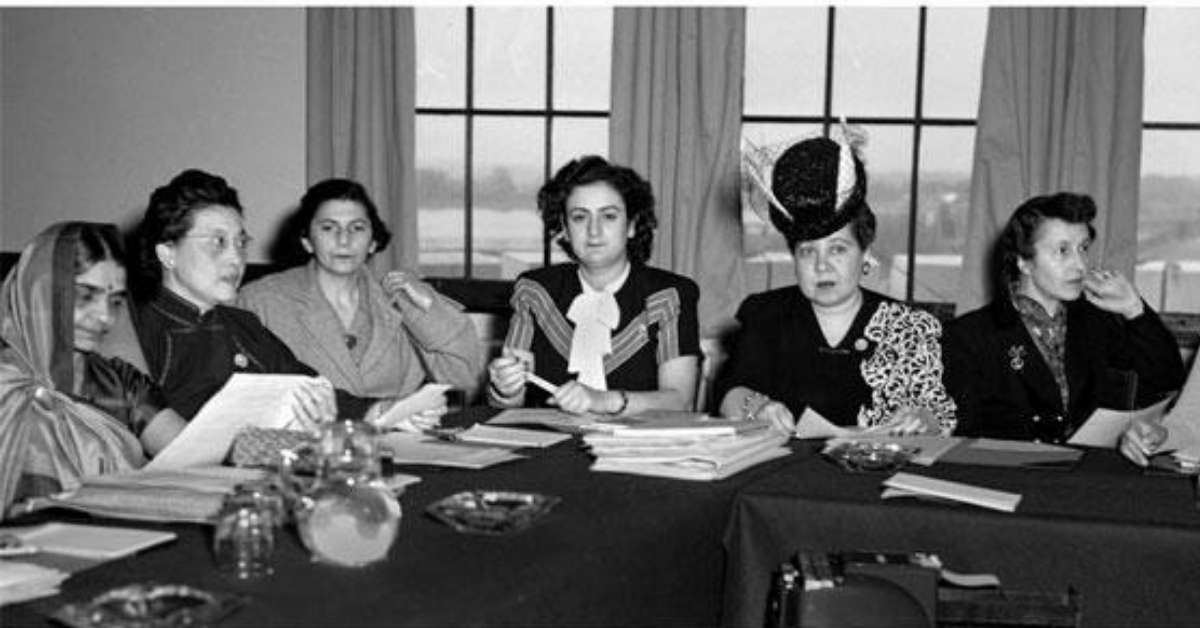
point(344, 513)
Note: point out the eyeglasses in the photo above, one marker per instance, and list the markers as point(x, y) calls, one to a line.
point(216, 244)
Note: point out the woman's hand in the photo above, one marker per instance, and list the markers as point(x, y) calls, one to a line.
point(399, 282)
point(909, 421)
point(313, 402)
point(1142, 439)
point(1109, 290)
point(417, 412)
point(778, 414)
point(507, 372)
point(578, 398)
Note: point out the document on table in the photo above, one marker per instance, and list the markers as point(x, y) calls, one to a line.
point(408, 448)
point(910, 485)
point(994, 452)
point(246, 400)
point(1104, 427)
point(510, 436)
point(21, 581)
point(550, 417)
point(98, 542)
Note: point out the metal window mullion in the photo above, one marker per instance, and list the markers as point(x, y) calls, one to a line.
point(827, 114)
point(914, 181)
point(469, 149)
point(547, 137)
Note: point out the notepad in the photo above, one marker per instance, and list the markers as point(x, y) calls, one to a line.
point(669, 423)
point(98, 542)
point(917, 485)
point(511, 436)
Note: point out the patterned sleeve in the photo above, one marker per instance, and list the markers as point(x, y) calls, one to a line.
point(521, 324)
point(906, 369)
point(679, 328)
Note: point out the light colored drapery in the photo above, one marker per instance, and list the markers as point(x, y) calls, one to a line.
point(361, 79)
point(676, 119)
point(1060, 110)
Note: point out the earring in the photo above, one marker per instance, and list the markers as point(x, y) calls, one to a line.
point(866, 269)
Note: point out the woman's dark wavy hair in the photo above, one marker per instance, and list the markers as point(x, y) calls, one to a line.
point(634, 190)
point(1017, 240)
point(171, 213)
point(342, 190)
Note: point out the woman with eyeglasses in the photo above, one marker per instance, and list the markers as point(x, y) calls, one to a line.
point(193, 244)
point(372, 336)
point(65, 410)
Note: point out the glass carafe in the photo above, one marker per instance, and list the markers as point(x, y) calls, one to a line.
point(345, 514)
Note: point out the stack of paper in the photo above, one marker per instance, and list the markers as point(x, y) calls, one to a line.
point(696, 449)
point(408, 448)
point(193, 494)
point(21, 582)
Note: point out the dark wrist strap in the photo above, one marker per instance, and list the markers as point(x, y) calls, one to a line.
point(624, 403)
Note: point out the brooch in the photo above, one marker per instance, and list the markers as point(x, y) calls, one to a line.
point(1016, 357)
point(860, 344)
point(240, 361)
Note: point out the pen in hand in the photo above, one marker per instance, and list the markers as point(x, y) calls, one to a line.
point(536, 380)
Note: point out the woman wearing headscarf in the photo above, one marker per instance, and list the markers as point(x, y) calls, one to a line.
point(852, 356)
point(612, 334)
point(65, 411)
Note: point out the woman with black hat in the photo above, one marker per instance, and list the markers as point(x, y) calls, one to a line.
point(827, 345)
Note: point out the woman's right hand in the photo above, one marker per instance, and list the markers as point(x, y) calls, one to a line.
point(507, 372)
point(778, 414)
point(417, 412)
point(1142, 439)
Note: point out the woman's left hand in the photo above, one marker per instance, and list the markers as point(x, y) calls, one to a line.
point(1110, 290)
point(578, 398)
point(417, 412)
point(399, 282)
point(909, 421)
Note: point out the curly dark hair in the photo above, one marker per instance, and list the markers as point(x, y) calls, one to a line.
point(634, 190)
point(170, 213)
point(342, 190)
point(1017, 239)
point(804, 180)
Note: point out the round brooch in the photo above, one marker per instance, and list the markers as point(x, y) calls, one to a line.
point(240, 361)
point(860, 344)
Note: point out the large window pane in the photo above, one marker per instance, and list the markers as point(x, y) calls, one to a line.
point(943, 193)
point(510, 57)
point(441, 56)
point(785, 61)
point(954, 61)
point(574, 137)
point(875, 62)
point(887, 155)
point(1168, 274)
point(582, 58)
point(440, 220)
point(508, 173)
point(1172, 89)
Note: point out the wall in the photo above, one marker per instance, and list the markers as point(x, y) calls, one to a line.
point(102, 105)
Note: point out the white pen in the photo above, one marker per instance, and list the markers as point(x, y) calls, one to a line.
point(540, 383)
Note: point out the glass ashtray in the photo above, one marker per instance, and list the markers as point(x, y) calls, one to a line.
point(149, 605)
point(491, 512)
point(871, 456)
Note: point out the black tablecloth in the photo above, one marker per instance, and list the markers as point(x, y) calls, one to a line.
point(618, 550)
point(1128, 541)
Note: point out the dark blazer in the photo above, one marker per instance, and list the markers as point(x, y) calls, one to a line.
point(1004, 388)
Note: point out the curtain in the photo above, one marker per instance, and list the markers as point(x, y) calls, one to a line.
point(1060, 110)
point(676, 119)
point(360, 123)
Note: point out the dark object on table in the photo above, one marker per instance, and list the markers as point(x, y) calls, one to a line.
point(491, 512)
point(842, 590)
point(150, 605)
point(999, 608)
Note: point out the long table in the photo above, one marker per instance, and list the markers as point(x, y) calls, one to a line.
point(1128, 541)
point(618, 550)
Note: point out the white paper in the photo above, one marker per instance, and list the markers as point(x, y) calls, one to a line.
point(408, 448)
point(1104, 427)
point(246, 400)
point(21, 582)
point(511, 436)
point(910, 484)
point(93, 541)
point(813, 425)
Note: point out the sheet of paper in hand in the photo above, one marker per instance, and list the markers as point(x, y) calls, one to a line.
point(246, 400)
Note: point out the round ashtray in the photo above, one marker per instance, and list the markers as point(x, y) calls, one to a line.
point(874, 456)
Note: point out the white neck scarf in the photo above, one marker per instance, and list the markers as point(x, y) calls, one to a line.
point(595, 314)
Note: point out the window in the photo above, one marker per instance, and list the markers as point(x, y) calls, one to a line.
point(1168, 270)
point(504, 97)
point(910, 78)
